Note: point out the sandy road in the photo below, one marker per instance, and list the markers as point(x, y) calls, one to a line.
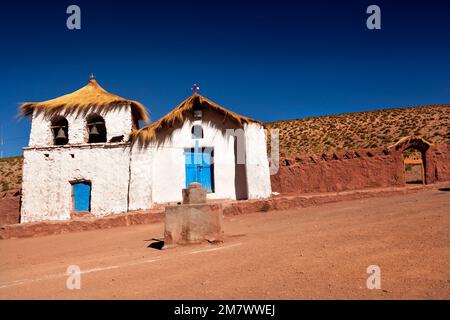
point(318, 252)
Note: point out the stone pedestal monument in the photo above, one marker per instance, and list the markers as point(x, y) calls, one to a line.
point(195, 220)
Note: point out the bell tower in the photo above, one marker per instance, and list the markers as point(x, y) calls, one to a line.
point(78, 154)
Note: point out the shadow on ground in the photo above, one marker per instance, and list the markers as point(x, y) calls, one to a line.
point(156, 244)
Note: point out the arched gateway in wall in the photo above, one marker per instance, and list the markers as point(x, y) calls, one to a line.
point(421, 146)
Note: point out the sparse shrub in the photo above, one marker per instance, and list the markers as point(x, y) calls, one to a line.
point(4, 186)
point(361, 129)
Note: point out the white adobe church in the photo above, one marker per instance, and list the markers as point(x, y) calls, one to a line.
point(87, 153)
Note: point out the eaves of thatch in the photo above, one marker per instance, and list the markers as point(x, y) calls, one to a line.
point(179, 114)
point(90, 98)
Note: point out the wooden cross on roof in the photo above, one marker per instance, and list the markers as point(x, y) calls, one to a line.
point(195, 88)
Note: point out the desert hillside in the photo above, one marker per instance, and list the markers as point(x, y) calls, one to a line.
point(10, 173)
point(361, 130)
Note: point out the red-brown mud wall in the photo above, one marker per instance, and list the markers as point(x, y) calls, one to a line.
point(355, 169)
point(9, 207)
point(437, 163)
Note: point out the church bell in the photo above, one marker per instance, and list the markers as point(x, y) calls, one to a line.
point(93, 130)
point(61, 134)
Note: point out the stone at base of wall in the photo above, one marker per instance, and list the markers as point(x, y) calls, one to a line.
point(44, 228)
point(230, 208)
point(285, 202)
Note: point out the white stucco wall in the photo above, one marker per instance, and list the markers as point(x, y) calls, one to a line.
point(40, 133)
point(169, 171)
point(118, 122)
point(257, 163)
point(167, 159)
point(48, 173)
point(141, 178)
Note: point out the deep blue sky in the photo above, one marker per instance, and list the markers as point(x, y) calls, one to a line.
point(269, 60)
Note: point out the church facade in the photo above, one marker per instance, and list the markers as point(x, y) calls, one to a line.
point(87, 155)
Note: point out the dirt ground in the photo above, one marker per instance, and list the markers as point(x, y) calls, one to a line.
point(310, 253)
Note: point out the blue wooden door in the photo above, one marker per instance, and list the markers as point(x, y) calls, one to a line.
point(191, 167)
point(82, 196)
point(199, 168)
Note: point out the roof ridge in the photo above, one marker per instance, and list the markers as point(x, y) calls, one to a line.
point(90, 96)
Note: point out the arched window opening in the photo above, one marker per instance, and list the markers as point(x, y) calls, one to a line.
point(197, 132)
point(60, 131)
point(96, 129)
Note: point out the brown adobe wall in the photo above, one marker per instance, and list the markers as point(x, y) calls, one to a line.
point(437, 159)
point(356, 169)
point(339, 171)
point(9, 207)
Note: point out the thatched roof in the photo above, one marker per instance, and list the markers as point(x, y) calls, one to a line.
point(91, 98)
point(178, 115)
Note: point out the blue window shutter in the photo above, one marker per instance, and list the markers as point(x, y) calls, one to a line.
point(82, 196)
